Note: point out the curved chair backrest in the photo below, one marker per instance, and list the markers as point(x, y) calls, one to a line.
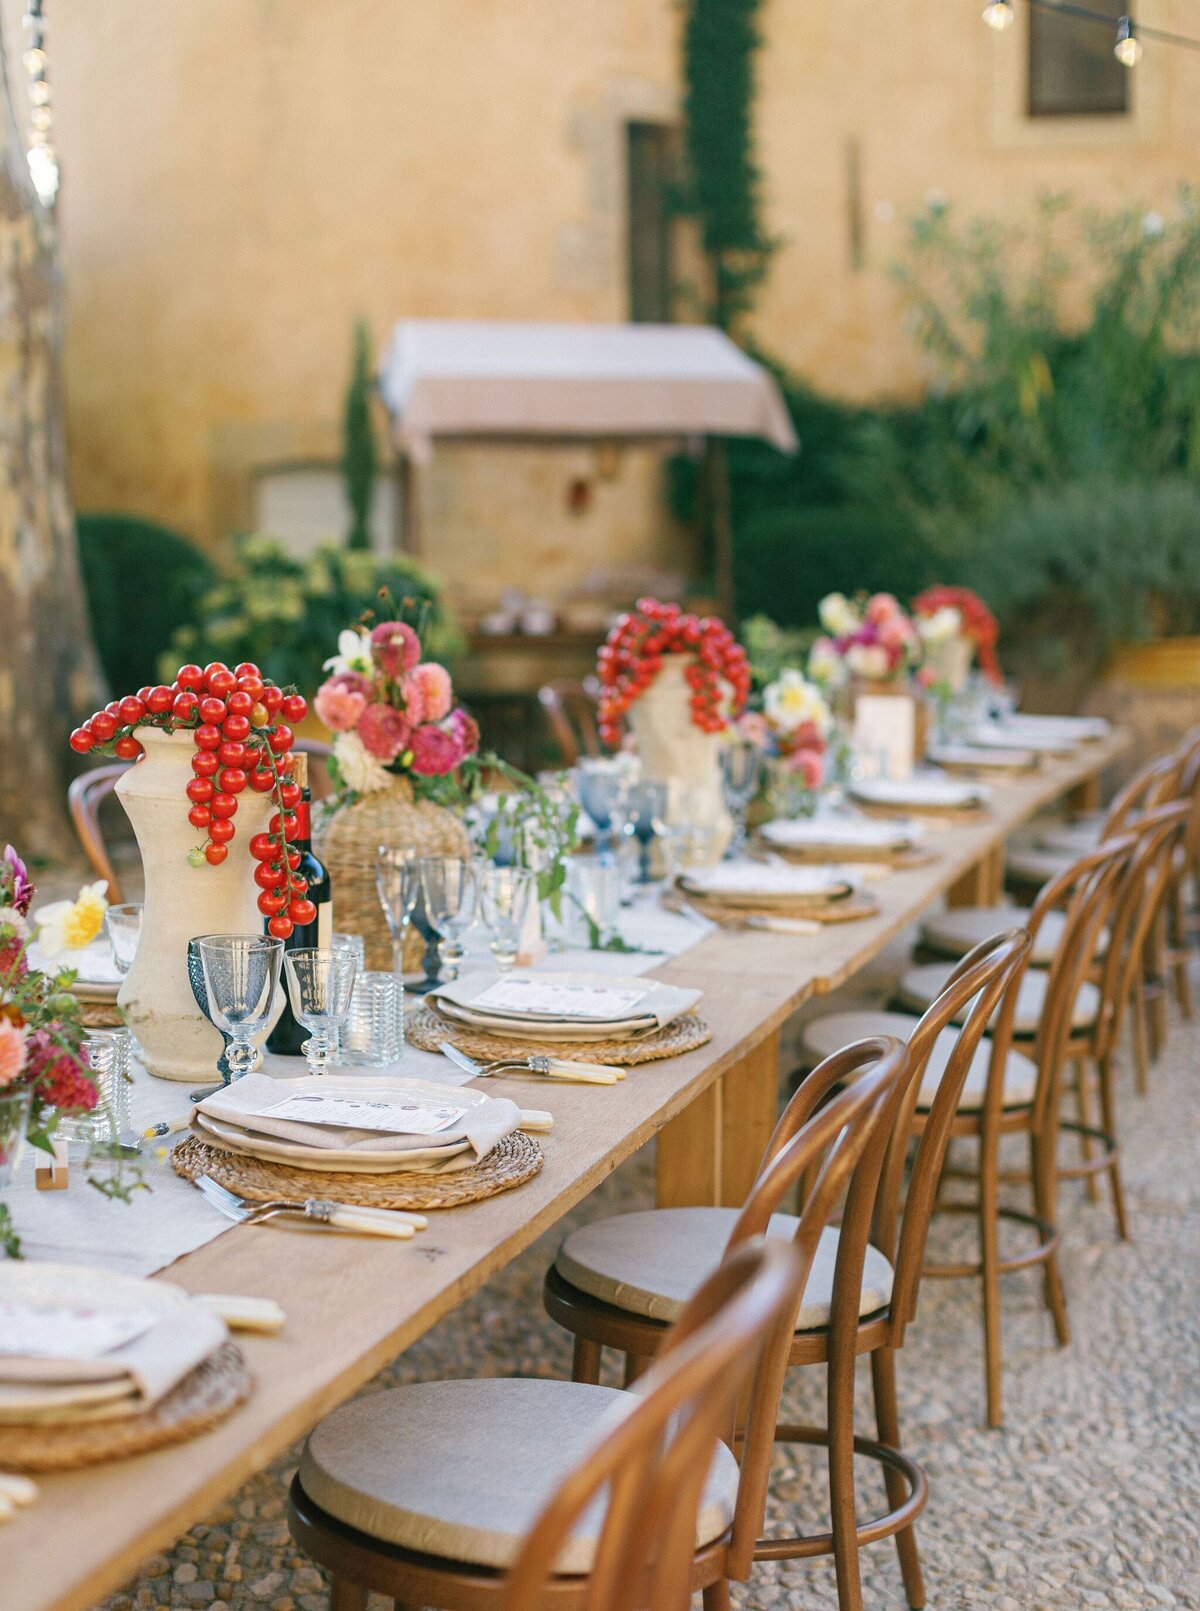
point(85, 795)
point(1153, 783)
point(655, 1460)
point(570, 711)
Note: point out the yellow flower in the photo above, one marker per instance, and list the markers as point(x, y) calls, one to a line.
point(71, 925)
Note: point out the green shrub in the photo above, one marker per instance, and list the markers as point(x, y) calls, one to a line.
point(285, 613)
point(143, 582)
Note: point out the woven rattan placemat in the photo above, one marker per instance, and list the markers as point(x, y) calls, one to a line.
point(427, 1030)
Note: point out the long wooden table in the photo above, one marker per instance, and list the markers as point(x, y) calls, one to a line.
point(354, 1305)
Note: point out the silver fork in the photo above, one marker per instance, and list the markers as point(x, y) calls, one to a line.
point(346, 1216)
point(555, 1068)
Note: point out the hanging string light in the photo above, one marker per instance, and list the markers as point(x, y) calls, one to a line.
point(999, 14)
point(43, 162)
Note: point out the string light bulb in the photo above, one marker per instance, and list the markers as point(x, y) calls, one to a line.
point(998, 14)
point(1128, 48)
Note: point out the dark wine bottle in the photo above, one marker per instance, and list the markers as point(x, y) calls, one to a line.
point(288, 1035)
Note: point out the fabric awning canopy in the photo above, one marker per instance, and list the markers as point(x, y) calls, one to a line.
point(478, 378)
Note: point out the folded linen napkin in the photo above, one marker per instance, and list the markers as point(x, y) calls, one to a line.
point(774, 878)
point(246, 1104)
point(864, 833)
point(566, 998)
point(147, 1367)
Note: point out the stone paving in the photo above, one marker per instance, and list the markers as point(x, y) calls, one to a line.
point(1088, 1498)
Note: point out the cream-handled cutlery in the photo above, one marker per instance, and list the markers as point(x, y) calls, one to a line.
point(14, 1491)
point(554, 1068)
point(242, 1313)
point(346, 1216)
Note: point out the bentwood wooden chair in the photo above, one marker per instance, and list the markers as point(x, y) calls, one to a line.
point(482, 1494)
point(617, 1283)
point(570, 711)
point(85, 796)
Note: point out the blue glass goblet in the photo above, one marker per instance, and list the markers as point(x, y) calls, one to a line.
point(200, 991)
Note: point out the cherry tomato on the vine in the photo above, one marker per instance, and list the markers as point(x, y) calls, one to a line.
point(280, 927)
point(231, 753)
point(212, 709)
point(294, 708)
point(200, 791)
point(159, 700)
point(262, 782)
point(302, 912)
point(190, 676)
point(200, 816)
point(240, 704)
point(204, 763)
point(221, 830)
point(236, 728)
point(207, 737)
point(215, 854)
point(127, 748)
point(224, 805)
point(81, 740)
point(104, 725)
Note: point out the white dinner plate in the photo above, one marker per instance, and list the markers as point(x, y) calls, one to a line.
point(522, 1029)
point(982, 757)
point(735, 881)
point(838, 833)
point(920, 792)
point(337, 1160)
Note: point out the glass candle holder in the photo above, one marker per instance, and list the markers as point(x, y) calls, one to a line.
point(373, 1032)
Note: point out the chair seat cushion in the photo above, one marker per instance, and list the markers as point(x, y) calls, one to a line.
point(960, 929)
point(922, 985)
point(462, 1470)
point(651, 1263)
point(837, 1029)
point(1072, 838)
point(1035, 866)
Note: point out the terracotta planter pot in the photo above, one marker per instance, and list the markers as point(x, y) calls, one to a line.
point(347, 842)
point(674, 751)
point(181, 901)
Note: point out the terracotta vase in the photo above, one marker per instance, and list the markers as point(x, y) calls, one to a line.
point(347, 841)
point(181, 901)
point(674, 751)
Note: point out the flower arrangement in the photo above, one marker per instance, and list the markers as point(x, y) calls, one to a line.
point(871, 638)
point(41, 1022)
point(392, 714)
point(793, 727)
point(239, 725)
point(632, 656)
point(944, 613)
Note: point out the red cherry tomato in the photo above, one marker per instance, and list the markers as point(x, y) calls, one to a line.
point(246, 668)
point(159, 700)
point(231, 753)
point(294, 708)
point(252, 686)
point(272, 698)
point(104, 726)
point(190, 676)
point(262, 847)
point(184, 705)
point(221, 830)
point(204, 764)
point(280, 927)
point(114, 708)
point(236, 728)
point(271, 901)
point(299, 886)
point(212, 709)
point(200, 791)
point(200, 816)
point(233, 780)
point(224, 805)
point(127, 748)
point(286, 825)
point(240, 704)
point(302, 912)
point(269, 876)
point(281, 739)
point(215, 854)
point(290, 794)
point(81, 741)
point(293, 861)
point(221, 682)
point(262, 782)
point(207, 737)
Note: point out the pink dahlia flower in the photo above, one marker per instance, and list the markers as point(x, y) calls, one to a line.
point(433, 681)
point(58, 1077)
point(12, 1052)
point(341, 700)
point(384, 731)
point(435, 751)
point(807, 764)
point(465, 730)
point(395, 647)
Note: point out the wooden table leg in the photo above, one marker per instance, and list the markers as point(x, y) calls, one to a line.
point(1084, 797)
point(709, 1154)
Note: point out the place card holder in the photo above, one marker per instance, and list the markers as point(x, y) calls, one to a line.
point(55, 1175)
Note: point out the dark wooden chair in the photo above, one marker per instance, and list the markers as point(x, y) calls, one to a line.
point(570, 710)
point(613, 1283)
point(664, 1458)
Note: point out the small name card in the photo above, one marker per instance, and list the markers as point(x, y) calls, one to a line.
point(557, 998)
point(885, 734)
point(392, 1117)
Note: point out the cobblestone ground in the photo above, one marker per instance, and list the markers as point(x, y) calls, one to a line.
point(1087, 1499)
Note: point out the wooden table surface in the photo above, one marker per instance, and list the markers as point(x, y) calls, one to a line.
point(354, 1304)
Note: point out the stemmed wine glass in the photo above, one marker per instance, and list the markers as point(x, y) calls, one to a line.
point(398, 881)
point(195, 967)
point(241, 975)
point(504, 897)
point(741, 768)
point(320, 984)
point(601, 784)
point(448, 884)
point(648, 810)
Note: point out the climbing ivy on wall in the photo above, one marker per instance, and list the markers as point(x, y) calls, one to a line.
point(722, 188)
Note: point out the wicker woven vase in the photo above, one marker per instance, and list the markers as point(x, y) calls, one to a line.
point(347, 843)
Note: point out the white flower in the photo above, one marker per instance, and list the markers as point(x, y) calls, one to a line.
point(869, 660)
point(10, 918)
point(838, 615)
point(359, 769)
point(791, 701)
point(71, 925)
point(354, 653)
point(941, 626)
point(825, 664)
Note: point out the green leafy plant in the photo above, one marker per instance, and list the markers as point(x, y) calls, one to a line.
point(285, 613)
point(358, 442)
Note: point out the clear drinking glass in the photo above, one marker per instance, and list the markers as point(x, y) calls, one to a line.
point(14, 1116)
point(320, 984)
point(373, 1033)
point(354, 943)
point(448, 883)
point(741, 769)
point(593, 900)
point(123, 925)
point(504, 897)
point(241, 975)
point(107, 1053)
point(398, 881)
